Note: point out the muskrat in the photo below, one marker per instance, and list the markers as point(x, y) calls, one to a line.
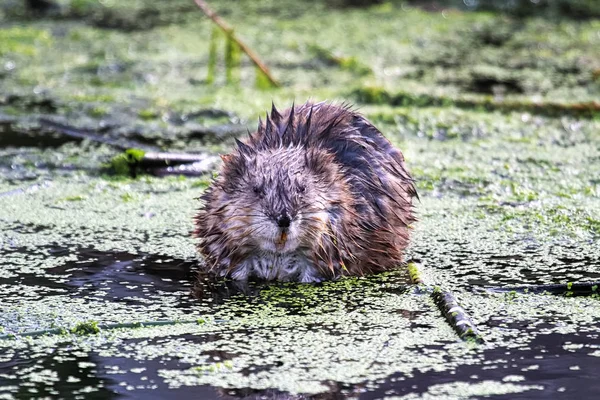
point(317, 192)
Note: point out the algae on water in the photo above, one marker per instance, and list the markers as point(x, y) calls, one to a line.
point(495, 112)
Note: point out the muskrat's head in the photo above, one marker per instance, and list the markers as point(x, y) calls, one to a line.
point(278, 199)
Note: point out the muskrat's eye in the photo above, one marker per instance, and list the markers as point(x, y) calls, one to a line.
point(257, 190)
point(301, 188)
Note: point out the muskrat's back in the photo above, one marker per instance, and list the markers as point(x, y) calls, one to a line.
point(317, 192)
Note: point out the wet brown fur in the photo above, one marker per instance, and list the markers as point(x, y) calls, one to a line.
point(356, 175)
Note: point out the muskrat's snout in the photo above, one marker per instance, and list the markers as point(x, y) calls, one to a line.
point(281, 232)
point(284, 220)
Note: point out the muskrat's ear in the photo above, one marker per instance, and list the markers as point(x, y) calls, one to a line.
point(227, 158)
point(234, 165)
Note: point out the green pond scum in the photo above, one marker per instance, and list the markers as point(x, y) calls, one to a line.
point(86, 328)
point(493, 104)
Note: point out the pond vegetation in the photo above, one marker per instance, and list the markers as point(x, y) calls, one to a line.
point(494, 104)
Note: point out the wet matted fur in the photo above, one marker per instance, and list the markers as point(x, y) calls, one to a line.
point(316, 193)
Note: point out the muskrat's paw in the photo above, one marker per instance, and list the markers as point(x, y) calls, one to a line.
point(310, 275)
point(241, 273)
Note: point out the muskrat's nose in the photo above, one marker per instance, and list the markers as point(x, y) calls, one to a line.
point(284, 221)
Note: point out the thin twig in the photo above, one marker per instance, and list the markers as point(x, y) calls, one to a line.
point(31, 188)
point(162, 158)
point(231, 35)
point(121, 325)
point(563, 289)
point(199, 168)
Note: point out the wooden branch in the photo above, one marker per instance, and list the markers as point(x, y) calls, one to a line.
point(231, 35)
point(456, 316)
point(81, 133)
point(139, 155)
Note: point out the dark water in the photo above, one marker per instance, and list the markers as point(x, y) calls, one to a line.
point(16, 138)
point(545, 363)
point(140, 279)
point(523, 262)
point(117, 276)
